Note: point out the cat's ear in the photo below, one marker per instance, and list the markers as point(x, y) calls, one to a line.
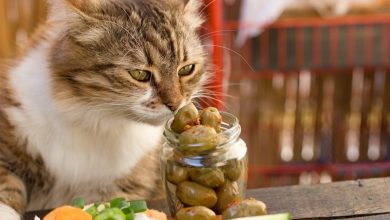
point(88, 7)
point(85, 8)
point(192, 14)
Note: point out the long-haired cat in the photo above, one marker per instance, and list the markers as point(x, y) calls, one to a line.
point(82, 111)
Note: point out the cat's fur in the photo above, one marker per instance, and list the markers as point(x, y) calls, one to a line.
point(74, 123)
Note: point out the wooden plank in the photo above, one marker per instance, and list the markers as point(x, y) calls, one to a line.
point(339, 199)
point(372, 217)
point(360, 199)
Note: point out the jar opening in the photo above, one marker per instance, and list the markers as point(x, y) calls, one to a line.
point(230, 131)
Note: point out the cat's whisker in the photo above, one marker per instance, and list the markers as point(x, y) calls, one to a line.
point(207, 5)
point(233, 51)
point(207, 100)
point(202, 101)
point(221, 94)
point(220, 86)
point(212, 68)
point(211, 91)
point(209, 97)
point(222, 32)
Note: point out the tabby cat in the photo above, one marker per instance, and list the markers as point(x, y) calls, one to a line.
point(82, 110)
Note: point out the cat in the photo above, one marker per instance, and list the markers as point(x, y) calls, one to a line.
point(82, 111)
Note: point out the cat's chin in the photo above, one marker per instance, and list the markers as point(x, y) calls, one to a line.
point(154, 122)
point(152, 118)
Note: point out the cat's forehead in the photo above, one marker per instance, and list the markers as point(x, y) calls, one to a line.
point(146, 9)
point(143, 33)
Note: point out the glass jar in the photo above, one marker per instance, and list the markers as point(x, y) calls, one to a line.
point(213, 178)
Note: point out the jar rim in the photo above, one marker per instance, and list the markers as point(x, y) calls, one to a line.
point(230, 127)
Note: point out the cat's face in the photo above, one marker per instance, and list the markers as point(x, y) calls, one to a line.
point(139, 59)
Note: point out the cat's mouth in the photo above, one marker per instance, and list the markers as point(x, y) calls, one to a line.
point(156, 114)
point(152, 116)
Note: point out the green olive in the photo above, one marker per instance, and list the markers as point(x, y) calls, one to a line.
point(195, 213)
point(185, 118)
point(198, 138)
point(246, 208)
point(233, 169)
point(210, 117)
point(176, 173)
point(227, 193)
point(194, 194)
point(210, 177)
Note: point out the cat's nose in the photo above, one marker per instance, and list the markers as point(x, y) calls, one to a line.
point(173, 106)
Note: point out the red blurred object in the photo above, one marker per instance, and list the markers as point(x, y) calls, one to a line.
point(331, 46)
point(215, 11)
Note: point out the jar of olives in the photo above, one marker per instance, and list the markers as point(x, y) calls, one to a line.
point(203, 160)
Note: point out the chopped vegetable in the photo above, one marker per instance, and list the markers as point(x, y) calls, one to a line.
point(93, 210)
point(129, 213)
point(116, 209)
point(68, 212)
point(138, 206)
point(119, 203)
point(111, 214)
point(78, 202)
point(127, 210)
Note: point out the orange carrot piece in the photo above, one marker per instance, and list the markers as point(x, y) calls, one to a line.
point(155, 215)
point(68, 213)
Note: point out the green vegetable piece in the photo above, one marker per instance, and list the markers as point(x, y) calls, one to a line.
point(210, 117)
point(130, 216)
point(78, 202)
point(129, 212)
point(117, 202)
point(111, 214)
point(175, 173)
point(138, 206)
point(194, 194)
point(123, 204)
point(195, 213)
point(233, 169)
point(246, 208)
point(186, 117)
point(198, 138)
point(93, 210)
point(227, 193)
point(210, 177)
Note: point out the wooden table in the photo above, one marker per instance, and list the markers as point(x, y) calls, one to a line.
point(360, 199)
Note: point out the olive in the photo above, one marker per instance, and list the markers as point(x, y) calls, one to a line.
point(185, 118)
point(176, 173)
point(210, 116)
point(198, 138)
point(194, 194)
point(233, 169)
point(195, 213)
point(245, 208)
point(210, 177)
point(227, 193)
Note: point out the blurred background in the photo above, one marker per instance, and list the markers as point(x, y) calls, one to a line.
point(308, 79)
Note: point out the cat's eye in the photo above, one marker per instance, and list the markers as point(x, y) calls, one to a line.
point(186, 70)
point(140, 75)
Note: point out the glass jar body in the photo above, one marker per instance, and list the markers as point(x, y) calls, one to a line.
point(213, 179)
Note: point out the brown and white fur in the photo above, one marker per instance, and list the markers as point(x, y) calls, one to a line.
point(74, 122)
